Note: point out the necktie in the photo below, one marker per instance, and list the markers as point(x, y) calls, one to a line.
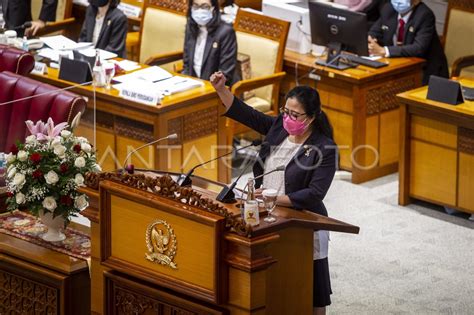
point(401, 31)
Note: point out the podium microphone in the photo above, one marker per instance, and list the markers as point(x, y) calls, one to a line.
point(185, 179)
point(227, 194)
point(130, 168)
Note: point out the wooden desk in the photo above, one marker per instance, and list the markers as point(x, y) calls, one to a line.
point(436, 151)
point(218, 271)
point(123, 125)
point(362, 108)
point(37, 280)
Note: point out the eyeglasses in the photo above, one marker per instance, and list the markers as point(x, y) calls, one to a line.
point(203, 6)
point(293, 115)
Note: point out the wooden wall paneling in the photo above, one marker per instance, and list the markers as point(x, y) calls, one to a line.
point(405, 153)
point(141, 159)
point(433, 172)
point(342, 124)
point(371, 145)
point(247, 291)
point(359, 133)
point(389, 137)
point(199, 151)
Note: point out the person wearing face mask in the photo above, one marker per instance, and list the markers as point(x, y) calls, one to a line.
point(301, 138)
point(105, 26)
point(406, 28)
point(210, 44)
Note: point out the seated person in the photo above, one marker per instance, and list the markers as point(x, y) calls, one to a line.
point(105, 26)
point(406, 28)
point(210, 44)
point(16, 12)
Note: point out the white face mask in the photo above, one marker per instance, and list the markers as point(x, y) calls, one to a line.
point(201, 16)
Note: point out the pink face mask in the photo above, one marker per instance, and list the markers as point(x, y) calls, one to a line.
point(294, 127)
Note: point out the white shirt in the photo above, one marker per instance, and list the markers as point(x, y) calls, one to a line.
point(282, 155)
point(97, 28)
point(395, 36)
point(199, 50)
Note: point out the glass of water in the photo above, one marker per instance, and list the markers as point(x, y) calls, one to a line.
point(269, 198)
point(109, 69)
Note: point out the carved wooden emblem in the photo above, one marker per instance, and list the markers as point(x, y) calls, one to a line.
point(161, 243)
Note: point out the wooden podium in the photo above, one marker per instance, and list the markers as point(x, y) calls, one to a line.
point(161, 249)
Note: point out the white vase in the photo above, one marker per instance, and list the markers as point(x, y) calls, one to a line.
point(54, 225)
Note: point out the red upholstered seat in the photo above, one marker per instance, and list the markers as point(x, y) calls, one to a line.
point(51, 102)
point(15, 60)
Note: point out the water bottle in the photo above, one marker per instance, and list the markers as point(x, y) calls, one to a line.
point(24, 44)
point(251, 215)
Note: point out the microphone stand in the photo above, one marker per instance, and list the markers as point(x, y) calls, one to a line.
point(130, 168)
point(185, 179)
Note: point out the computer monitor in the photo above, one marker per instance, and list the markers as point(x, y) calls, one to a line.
point(338, 29)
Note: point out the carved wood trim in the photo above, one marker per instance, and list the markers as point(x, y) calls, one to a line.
point(383, 98)
point(462, 4)
point(175, 125)
point(102, 119)
point(466, 140)
point(178, 6)
point(23, 296)
point(133, 129)
point(200, 124)
point(166, 187)
point(260, 25)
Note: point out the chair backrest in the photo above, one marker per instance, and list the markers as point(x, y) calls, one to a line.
point(63, 11)
point(459, 30)
point(61, 106)
point(15, 60)
point(163, 27)
point(263, 38)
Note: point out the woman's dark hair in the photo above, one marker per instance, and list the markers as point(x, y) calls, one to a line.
point(112, 4)
point(309, 99)
point(213, 23)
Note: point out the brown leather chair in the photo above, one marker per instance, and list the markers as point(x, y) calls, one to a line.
point(458, 32)
point(61, 106)
point(15, 60)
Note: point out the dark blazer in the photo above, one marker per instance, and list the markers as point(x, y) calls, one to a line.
point(420, 39)
point(220, 52)
point(310, 173)
point(17, 12)
point(113, 34)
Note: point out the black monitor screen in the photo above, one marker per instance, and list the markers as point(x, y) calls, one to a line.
point(334, 25)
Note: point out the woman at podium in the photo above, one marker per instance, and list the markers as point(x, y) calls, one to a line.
point(301, 139)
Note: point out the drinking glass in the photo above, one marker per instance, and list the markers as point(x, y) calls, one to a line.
point(269, 198)
point(109, 69)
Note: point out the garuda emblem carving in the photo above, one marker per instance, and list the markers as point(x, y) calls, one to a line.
point(161, 243)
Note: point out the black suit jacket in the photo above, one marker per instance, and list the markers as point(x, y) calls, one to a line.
point(220, 53)
point(420, 38)
point(309, 174)
point(113, 33)
point(17, 12)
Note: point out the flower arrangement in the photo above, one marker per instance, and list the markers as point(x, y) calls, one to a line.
point(45, 172)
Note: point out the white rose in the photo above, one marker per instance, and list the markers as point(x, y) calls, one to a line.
point(65, 133)
point(79, 180)
point(11, 158)
point(60, 151)
point(19, 180)
point(22, 156)
point(81, 139)
point(51, 177)
point(56, 142)
point(11, 171)
point(49, 203)
point(20, 198)
point(80, 162)
point(81, 202)
point(86, 147)
point(30, 139)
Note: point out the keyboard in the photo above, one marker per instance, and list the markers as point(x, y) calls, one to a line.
point(468, 93)
point(363, 61)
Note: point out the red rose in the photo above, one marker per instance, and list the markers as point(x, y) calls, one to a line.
point(63, 168)
point(37, 174)
point(35, 158)
point(14, 149)
point(10, 194)
point(66, 200)
point(77, 148)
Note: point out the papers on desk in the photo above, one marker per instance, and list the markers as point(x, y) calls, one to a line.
point(104, 54)
point(150, 74)
point(60, 42)
point(128, 65)
point(177, 84)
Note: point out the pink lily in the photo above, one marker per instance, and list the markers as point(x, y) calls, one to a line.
point(44, 131)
